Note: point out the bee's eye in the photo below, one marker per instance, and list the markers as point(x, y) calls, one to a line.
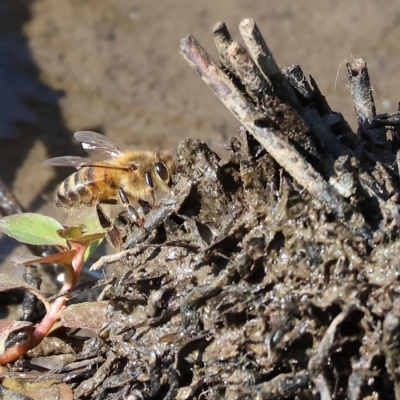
point(161, 170)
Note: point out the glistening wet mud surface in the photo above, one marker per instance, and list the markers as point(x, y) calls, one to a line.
point(246, 285)
point(248, 289)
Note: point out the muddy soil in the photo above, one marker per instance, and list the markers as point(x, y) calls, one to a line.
point(114, 67)
point(248, 286)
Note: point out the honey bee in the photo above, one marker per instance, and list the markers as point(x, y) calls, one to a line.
point(124, 175)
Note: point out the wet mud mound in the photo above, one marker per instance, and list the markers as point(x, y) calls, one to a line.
point(272, 273)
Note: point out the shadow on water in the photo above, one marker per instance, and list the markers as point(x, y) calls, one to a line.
point(29, 109)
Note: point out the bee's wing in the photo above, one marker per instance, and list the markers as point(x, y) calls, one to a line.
point(66, 161)
point(79, 162)
point(97, 144)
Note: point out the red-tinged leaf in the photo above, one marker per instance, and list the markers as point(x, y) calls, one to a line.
point(90, 242)
point(63, 258)
point(8, 282)
point(33, 228)
point(9, 327)
point(85, 316)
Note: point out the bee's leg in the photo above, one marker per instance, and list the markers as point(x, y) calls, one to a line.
point(103, 219)
point(132, 213)
point(150, 184)
point(113, 234)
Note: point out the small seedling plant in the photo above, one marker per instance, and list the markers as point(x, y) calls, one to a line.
point(74, 246)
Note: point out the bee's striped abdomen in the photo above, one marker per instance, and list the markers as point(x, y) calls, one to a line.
point(86, 187)
point(78, 189)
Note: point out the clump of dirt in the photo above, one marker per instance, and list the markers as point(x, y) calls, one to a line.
point(257, 278)
point(249, 290)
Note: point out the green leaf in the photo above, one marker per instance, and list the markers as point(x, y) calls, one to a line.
point(33, 228)
point(85, 217)
point(72, 231)
point(92, 248)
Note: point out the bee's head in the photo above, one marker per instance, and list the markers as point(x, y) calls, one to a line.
point(164, 169)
